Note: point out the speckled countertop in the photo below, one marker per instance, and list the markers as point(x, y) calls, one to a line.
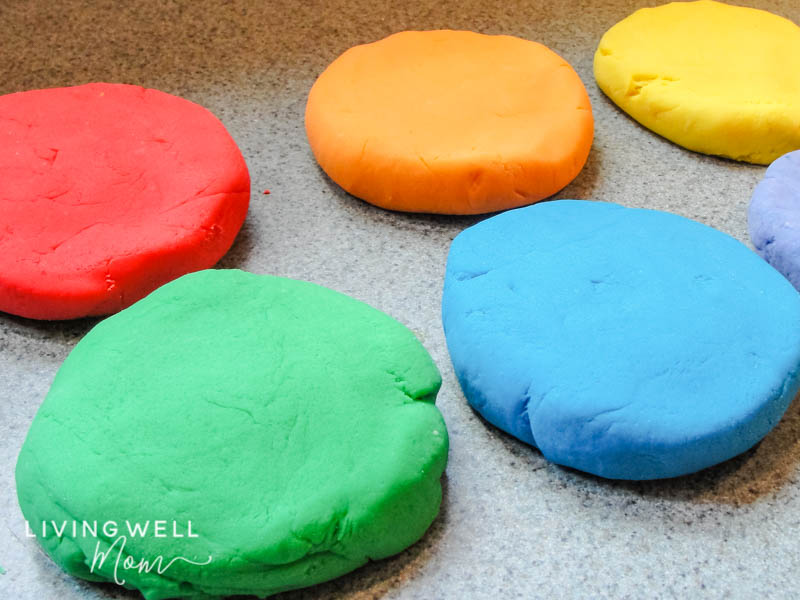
point(512, 525)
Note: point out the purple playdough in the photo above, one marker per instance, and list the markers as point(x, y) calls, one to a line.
point(774, 216)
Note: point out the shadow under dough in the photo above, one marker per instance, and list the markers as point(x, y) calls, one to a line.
point(240, 249)
point(759, 472)
point(404, 221)
point(70, 330)
point(586, 181)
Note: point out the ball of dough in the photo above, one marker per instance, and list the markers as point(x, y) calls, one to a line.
point(108, 191)
point(629, 343)
point(773, 217)
point(294, 427)
point(450, 122)
point(713, 78)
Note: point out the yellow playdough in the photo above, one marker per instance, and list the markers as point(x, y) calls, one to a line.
point(713, 78)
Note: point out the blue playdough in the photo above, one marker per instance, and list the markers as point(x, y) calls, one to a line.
point(774, 216)
point(629, 343)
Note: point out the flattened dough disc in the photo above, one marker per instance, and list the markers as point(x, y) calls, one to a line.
point(108, 191)
point(629, 343)
point(773, 217)
point(450, 122)
point(293, 426)
point(711, 77)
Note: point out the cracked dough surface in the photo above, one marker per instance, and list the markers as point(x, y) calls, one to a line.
point(450, 122)
point(773, 216)
point(713, 78)
point(108, 191)
point(628, 343)
point(294, 426)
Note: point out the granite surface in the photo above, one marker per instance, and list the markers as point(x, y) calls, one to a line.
point(512, 525)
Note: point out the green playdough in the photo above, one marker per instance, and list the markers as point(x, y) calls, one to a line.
point(293, 426)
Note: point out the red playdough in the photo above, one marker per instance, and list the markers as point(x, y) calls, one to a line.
point(108, 191)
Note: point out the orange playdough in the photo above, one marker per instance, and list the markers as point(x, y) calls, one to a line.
point(450, 122)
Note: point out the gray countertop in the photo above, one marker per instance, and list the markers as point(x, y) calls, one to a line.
point(512, 525)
